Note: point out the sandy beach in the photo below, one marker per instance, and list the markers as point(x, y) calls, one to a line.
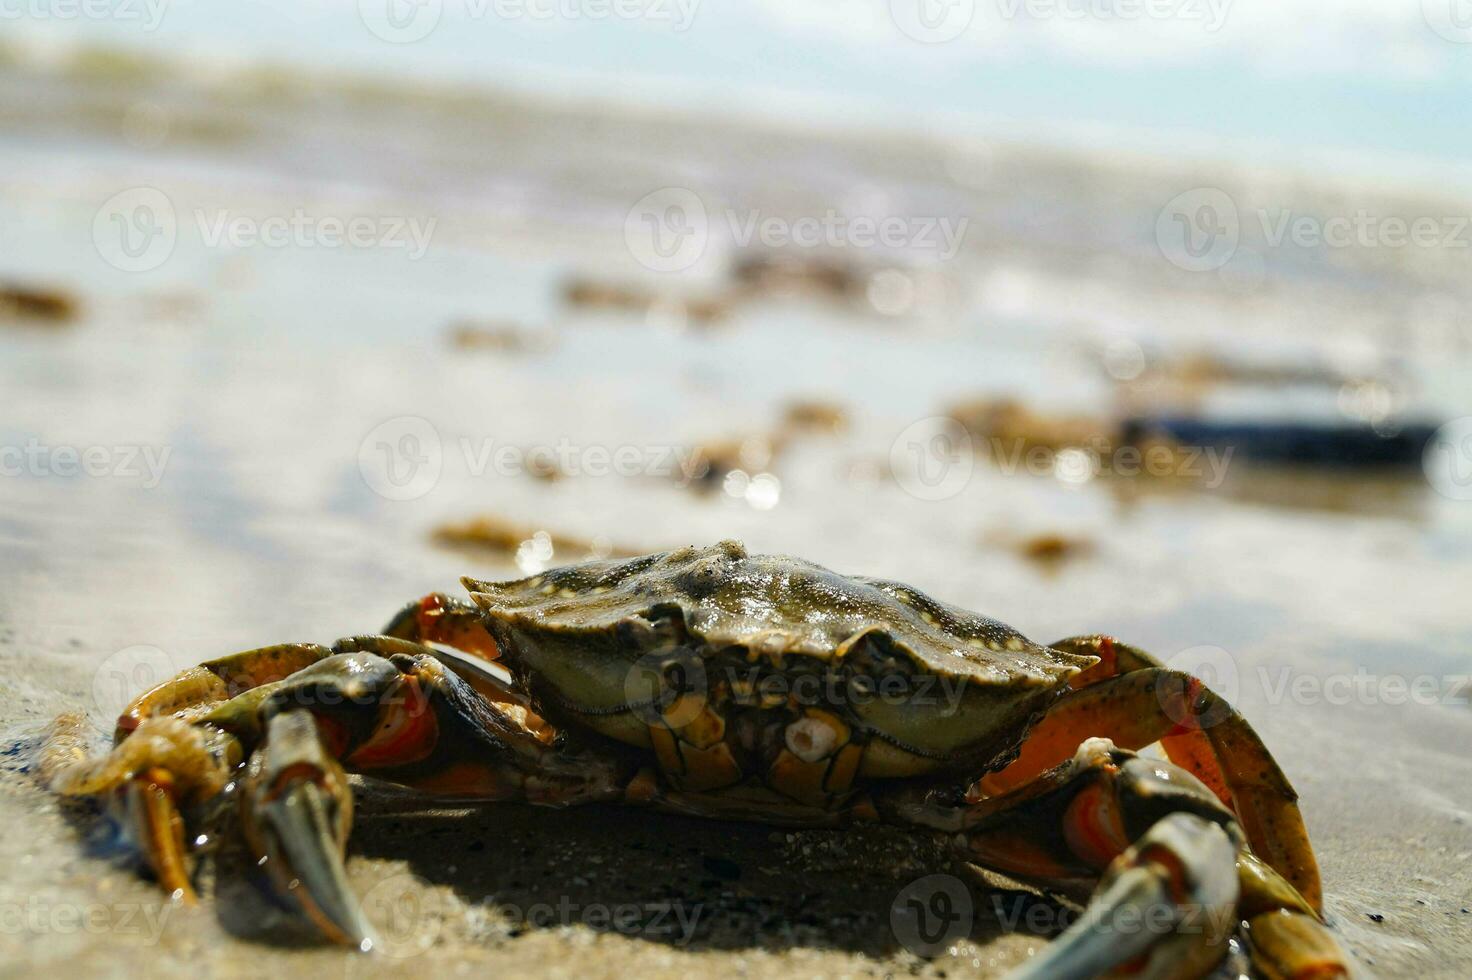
point(244, 403)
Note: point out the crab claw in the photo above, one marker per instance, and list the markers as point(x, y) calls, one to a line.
point(165, 764)
point(297, 812)
point(153, 821)
point(1165, 908)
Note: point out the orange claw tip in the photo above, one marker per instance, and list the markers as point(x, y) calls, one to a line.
point(158, 829)
point(1292, 946)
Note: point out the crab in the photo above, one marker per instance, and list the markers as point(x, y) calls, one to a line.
point(715, 683)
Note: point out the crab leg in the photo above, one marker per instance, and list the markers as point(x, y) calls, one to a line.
point(1181, 869)
point(177, 746)
point(1178, 877)
point(405, 717)
point(216, 681)
point(193, 764)
point(297, 811)
point(1200, 731)
point(164, 765)
point(439, 618)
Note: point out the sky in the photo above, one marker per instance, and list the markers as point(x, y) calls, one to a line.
point(1387, 84)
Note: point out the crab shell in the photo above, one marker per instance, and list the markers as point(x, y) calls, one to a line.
point(577, 634)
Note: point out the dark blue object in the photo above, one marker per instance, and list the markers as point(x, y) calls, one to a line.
point(1300, 443)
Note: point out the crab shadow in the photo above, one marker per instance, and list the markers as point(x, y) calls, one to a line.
point(683, 882)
